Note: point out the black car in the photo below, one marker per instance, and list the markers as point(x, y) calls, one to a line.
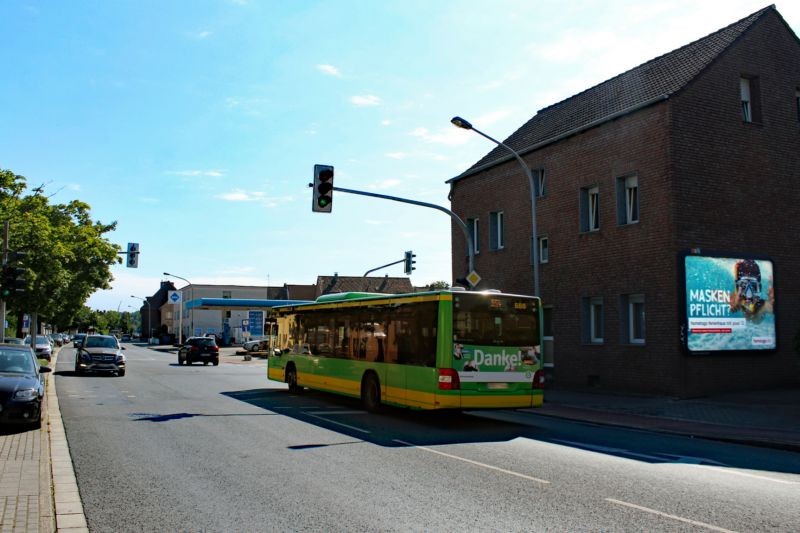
point(203, 349)
point(100, 353)
point(21, 385)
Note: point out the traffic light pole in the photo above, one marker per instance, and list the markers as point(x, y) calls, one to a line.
point(382, 267)
point(461, 224)
point(6, 228)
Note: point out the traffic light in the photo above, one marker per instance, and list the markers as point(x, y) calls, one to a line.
point(133, 255)
point(409, 262)
point(323, 189)
point(11, 280)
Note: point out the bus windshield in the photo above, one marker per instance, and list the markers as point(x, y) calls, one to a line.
point(499, 320)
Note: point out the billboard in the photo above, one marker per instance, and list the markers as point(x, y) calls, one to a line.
point(729, 303)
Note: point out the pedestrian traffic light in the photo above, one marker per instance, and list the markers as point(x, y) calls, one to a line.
point(323, 189)
point(133, 255)
point(409, 262)
point(11, 280)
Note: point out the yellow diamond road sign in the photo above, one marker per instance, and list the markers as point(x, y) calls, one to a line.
point(473, 278)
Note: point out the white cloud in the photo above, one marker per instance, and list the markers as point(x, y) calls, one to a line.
point(240, 195)
point(365, 100)
point(386, 122)
point(330, 70)
point(396, 155)
point(197, 173)
point(451, 136)
point(385, 184)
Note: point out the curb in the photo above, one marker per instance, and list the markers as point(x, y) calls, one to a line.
point(69, 515)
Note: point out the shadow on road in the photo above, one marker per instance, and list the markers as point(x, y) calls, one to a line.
point(395, 427)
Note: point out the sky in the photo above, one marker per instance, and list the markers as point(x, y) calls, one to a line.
point(196, 124)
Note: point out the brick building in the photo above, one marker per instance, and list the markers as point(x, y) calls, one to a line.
point(696, 150)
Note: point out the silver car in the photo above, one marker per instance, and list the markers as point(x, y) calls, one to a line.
point(44, 348)
point(100, 353)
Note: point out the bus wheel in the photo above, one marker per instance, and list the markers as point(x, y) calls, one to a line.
point(371, 393)
point(291, 379)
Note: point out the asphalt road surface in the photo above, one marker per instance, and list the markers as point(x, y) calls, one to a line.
point(204, 448)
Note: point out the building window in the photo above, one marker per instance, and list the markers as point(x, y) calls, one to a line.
point(628, 200)
point(592, 313)
point(751, 103)
point(747, 107)
point(544, 250)
point(633, 318)
point(539, 182)
point(496, 231)
point(226, 295)
point(474, 227)
point(590, 209)
point(797, 103)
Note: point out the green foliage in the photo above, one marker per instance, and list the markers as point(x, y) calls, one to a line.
point(439, 285)
point(68, 255)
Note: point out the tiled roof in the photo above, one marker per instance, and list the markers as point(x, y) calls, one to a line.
point(648, 83)
point(334, 284)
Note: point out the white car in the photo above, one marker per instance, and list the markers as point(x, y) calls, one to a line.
point(254, 345)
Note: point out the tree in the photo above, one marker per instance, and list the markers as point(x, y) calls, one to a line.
point(68, 257)
point(439, 285)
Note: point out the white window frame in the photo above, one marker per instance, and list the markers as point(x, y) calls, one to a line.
point(593, 208)
point(498, 231)
point(631, 199)
point(544, 249)
point(595, 329)
point(633, 301)
point(540, 177)
point(745, 92)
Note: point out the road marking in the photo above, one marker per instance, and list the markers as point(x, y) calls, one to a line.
point(476, 463)
point(337, 423)
point(745, 474)
point(337, 413)
point(672, 516)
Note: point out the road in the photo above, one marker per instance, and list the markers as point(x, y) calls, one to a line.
point(204, 448)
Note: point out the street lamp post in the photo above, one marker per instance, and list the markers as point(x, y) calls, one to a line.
point(463, 124)
point(191, 297)
point(149, 317)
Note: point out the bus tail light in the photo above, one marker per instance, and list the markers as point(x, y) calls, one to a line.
point(448, 379)
point(538, 379)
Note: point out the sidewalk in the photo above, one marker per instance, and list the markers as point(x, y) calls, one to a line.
point(759, 418)
point(39, 491)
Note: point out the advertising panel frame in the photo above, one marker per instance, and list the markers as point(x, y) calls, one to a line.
point(683, 302)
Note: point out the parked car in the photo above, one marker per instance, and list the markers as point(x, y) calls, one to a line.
point(203, 349)
point(100, 353)
point(21, 385)
point(44, 349)
point(14, 340)
point(256, 345)
point(78, 339)
point(126, 338)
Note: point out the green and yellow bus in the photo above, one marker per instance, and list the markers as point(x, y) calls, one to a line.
point(432, 350)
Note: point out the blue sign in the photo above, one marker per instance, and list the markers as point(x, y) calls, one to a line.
point(256, 319)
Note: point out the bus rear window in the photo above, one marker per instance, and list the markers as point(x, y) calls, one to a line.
point(489, 319)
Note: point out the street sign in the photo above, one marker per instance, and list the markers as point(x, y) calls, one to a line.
point(174, 297)
point(26, 323)
point(256, 320)
point(473, 278)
